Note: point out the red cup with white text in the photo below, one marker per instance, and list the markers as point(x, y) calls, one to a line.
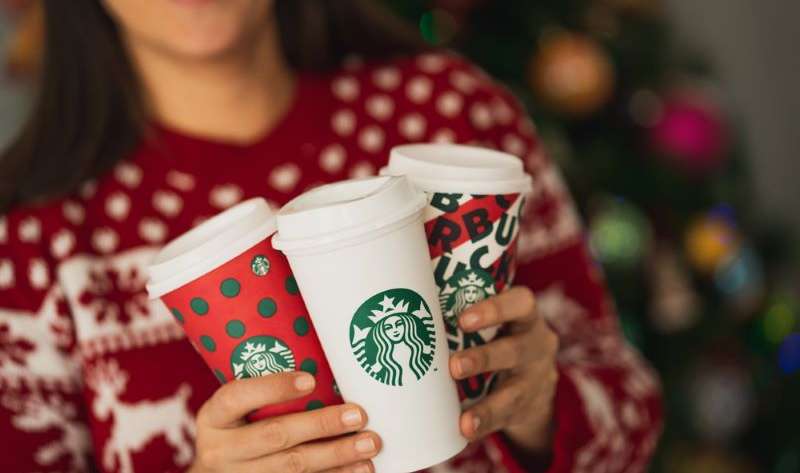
point(472, 220)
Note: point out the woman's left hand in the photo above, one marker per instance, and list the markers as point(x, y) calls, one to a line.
point(521, 403)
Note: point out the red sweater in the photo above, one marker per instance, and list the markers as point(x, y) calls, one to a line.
point(72, 275)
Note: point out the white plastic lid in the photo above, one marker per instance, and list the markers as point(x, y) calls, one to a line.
point(209, 245)
point(346, 210)
point(458, 169)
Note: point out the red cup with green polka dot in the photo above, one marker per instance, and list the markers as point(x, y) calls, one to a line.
point(245, 316)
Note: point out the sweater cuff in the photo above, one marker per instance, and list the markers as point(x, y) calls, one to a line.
point(567, 419)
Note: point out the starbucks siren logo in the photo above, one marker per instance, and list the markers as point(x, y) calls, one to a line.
point(261, 355)
point(259, 265)
point(393, 337)
point(463, 289)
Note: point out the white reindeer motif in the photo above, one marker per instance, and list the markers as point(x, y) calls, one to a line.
point(137, 424)
point(608, 433)
point(35, 413)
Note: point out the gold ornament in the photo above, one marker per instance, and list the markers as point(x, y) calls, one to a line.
point(26, 45)
point(710, 240)
point(572, 74)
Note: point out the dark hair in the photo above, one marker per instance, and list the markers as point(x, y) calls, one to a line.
point(89, 112)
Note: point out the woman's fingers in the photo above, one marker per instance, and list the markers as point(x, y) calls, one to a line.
point(516, 304)
point(494, 412)
point(501, 354)
point(320, 456)
point(280, 433)
point(536, 343)
point(233, 401)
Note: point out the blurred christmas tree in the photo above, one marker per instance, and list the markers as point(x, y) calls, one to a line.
point(702, 283)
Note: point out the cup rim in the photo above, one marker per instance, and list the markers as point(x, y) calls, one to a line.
point(456, 168)
point(358, 212)
point(156, 289)
point(210, 245)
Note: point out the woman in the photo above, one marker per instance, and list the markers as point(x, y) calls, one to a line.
point(155, 115)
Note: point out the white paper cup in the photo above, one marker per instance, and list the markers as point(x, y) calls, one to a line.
point(451, 168)
point(475, 199)
point(360, 258)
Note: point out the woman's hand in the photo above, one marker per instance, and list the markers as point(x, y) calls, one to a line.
point(304, 442)
point(521, 403)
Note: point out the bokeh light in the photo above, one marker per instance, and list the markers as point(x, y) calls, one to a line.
point(779, 319)
point(789, 354)
point(620, 234)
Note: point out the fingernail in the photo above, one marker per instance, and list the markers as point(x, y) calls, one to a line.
point(465, 366)
point(362, 469)
point(351, 417)
point(365, 445)
point(476, 423)
point(304, 382)
point(470, 319)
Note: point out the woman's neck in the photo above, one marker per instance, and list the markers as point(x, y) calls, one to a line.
point(236, 97)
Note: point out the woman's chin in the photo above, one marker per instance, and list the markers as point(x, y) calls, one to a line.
point(201, 45)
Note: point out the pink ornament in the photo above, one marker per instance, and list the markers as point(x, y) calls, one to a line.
point(690, 132)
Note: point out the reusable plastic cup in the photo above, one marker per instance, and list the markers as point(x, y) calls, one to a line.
point(475, 199)
point(359, 253)
point(236, 299)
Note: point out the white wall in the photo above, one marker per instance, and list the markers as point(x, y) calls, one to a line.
point(755, 46)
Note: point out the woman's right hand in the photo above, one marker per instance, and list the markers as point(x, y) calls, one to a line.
point(306, 442)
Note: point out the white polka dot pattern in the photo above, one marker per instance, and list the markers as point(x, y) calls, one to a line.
point(480, 116)
point(502, 112)
point(30, 230)
point(6, 273)
point(387, 78)
point(284, 177)
point(73, 212)
point(167, 203)
point(345, 88)
point(128, 174)
point(152, 230)
point(432, 63)
point(344, 122)
point(105, 240)
point(449, 104)
point(418, 89)
point(464, 82)
point(180, 180)
point(371, 139)
point(62, 244)
point(118, 205)
point(332, 158)
point(513, 144)
point(224, 196)
point(380, 107)
point(445, 135)
point(38, 274)
point(362, 169)
point(412, 127)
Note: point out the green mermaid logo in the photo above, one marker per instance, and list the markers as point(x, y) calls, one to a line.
point(462, 290)
point(261, 355)
point(393, 337)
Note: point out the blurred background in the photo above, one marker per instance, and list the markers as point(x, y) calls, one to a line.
point(675, 124)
